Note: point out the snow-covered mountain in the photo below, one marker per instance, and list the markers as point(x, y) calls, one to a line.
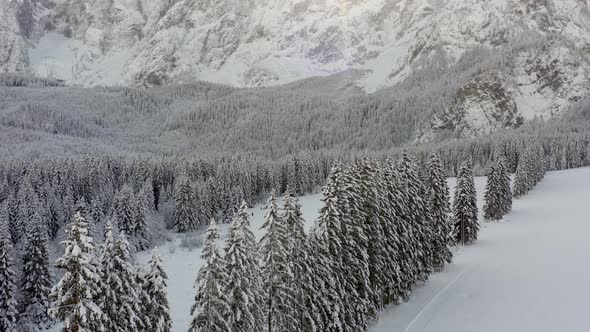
point(260, 43)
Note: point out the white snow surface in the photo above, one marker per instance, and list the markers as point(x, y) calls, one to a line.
point(525, 273)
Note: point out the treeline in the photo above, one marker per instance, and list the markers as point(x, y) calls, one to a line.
point(145, 196)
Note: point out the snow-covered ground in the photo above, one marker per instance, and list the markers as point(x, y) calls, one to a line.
point(526, 273)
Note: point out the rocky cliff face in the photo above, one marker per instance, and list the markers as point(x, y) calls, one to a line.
point(260, 43)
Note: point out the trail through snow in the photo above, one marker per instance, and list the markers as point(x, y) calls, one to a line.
point(528, 272)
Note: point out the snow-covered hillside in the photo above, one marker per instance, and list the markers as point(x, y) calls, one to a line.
point(499, 283)
point(539, 49)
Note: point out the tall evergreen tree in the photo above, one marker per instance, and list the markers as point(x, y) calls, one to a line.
point(120, 300)
point(36, 279)
point(124, 211)
point(276, 271)
point(141, 228)
point(158, 309)
point(465, 206)
point(211, 311)
point(74, 296)
point(307, 313)
point(498, 196)
point(417, 215)
point(439, 208)
point(184, 213)
point(330, 235)
point(8, 303)
point(245, 311)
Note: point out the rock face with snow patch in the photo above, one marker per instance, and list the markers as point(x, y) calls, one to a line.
point(260, 43)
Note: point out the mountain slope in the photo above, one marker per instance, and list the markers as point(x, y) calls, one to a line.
point(534, 63)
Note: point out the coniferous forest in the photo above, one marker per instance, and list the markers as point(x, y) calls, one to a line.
point(71, 221)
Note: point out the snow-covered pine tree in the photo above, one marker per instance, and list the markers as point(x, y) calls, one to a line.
point(253, 260)
point(158, 309)
point(417, 214)
point(330, 233)
point(141, 239)
point(523, 181)
point(276, 271)
point(184, 212)
point(399, 271)
point(74, 298)
point(36, 279)
point(439, 208)
point(494, 204)
point(211, 311)
point(124, 211)
point(143, 298)
point(366, 228)
point(8, 303)
point(119, 302)
point(245, 312)
point(505, 190)
point(464, 206)
point(303, 305)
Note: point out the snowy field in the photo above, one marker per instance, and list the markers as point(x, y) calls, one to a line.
point(526, 273)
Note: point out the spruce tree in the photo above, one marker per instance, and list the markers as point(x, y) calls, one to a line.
point(120, 300)
point(141, 228)
point(8, 303)
point(36, 281)
point(330, 235)
point(439, 208)
point(184, 213)
point(253, 260)
point(276, 271)
point(399, 271)
point(211, 311)
point(465, 206)
point(417, 215)
point(505, 190)
point(307, 313)
point(158, 309)
point(498, 197)
point(74, 298)
point(124, 211)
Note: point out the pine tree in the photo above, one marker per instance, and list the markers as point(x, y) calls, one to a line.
point(141, 230)
point(120, 299)
point(124, 211)
point(417, 215)
point(439, 208)
point(465, 206)
point(302, 303)
point(243, 285)
point(8, 310)
point(276, 271)
point(505, 190)
point(144, 299)
point(158, 309)
point(211, 311)
point(184, 214)
point(36, 279)
point(330, 235)
point(399, 271)
point(498, 197)
point(74, 296)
